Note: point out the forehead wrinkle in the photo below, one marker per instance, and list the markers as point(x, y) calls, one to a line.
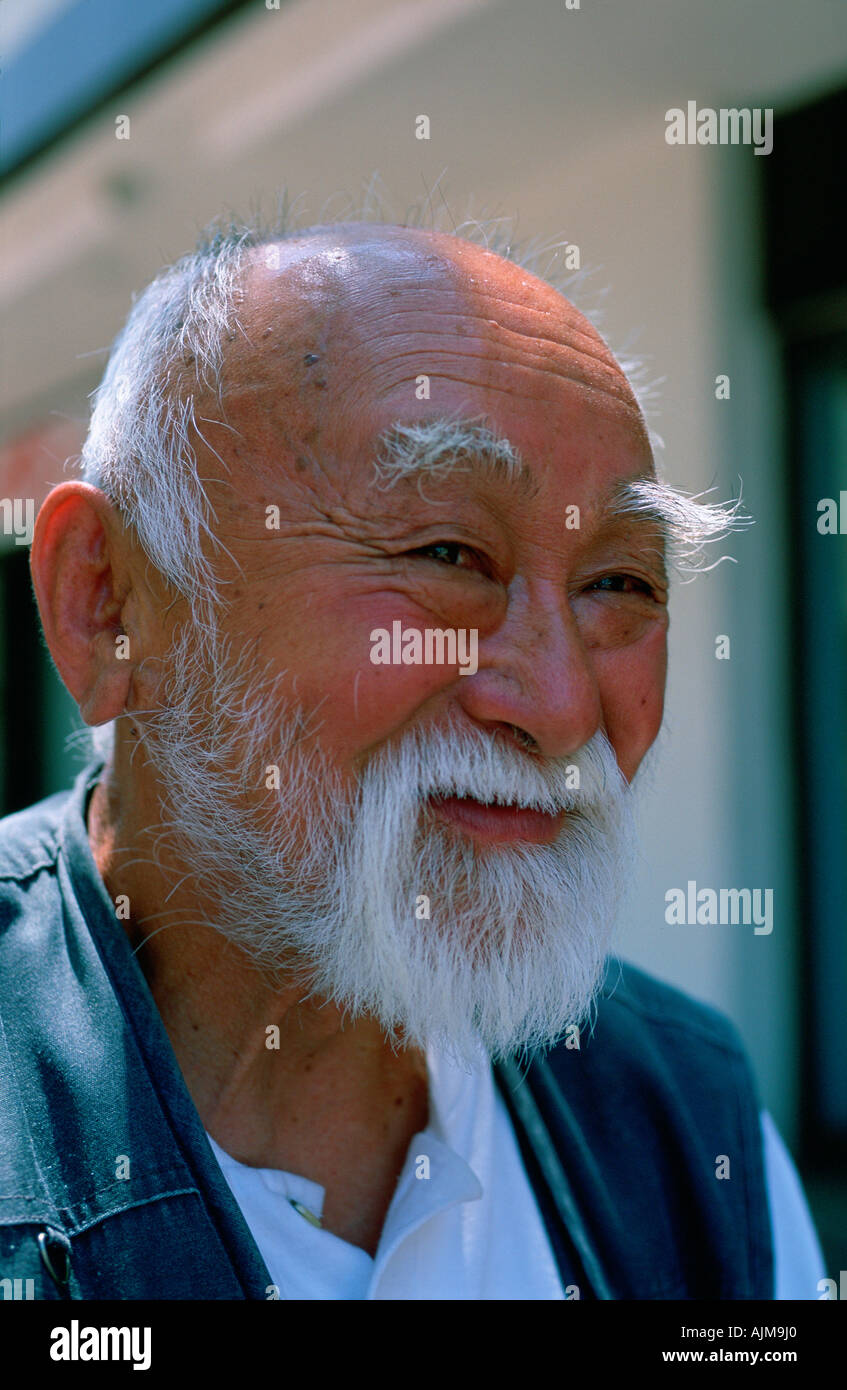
point(574, 327)
point(567, 358)
point(581, 369)
point(474, 363)
point(429, 312)
point(626, 403)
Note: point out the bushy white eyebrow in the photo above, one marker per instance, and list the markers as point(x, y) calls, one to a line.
point(434, 448)
point(687, 524)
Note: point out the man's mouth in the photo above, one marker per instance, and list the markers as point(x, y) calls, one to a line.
point(490, 823)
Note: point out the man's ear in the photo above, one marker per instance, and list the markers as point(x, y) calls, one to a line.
point(81, 580)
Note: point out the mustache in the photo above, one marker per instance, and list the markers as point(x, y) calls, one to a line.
point(458, 760)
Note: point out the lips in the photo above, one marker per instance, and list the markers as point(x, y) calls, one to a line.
point(493, 824)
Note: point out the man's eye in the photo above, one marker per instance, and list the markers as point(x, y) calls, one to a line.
point(622, 584)
point(450, 553)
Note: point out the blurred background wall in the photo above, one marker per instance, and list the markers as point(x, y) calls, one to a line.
point(126, 132)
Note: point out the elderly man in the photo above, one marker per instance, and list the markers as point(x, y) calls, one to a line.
point(311, 994)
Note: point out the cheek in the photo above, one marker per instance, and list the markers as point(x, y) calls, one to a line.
point(372, 703)
point(632, 691)
point(355, 703)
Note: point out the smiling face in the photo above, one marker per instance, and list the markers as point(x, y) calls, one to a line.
point(441, 851)
point(572, 622)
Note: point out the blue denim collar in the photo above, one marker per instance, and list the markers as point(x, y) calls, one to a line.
point(170, 1151)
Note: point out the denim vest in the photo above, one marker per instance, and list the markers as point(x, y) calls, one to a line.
point(109, 1189)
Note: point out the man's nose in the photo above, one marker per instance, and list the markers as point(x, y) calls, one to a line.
point(536, 676)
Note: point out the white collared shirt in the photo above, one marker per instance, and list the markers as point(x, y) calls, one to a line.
point(463, 1222)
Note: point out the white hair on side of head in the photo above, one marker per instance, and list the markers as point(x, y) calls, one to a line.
point(139, 448)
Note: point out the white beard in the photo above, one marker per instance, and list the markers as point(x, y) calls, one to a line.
point(325, 892)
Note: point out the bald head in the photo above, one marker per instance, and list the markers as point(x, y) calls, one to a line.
point(379, 298)
point(347, 330)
